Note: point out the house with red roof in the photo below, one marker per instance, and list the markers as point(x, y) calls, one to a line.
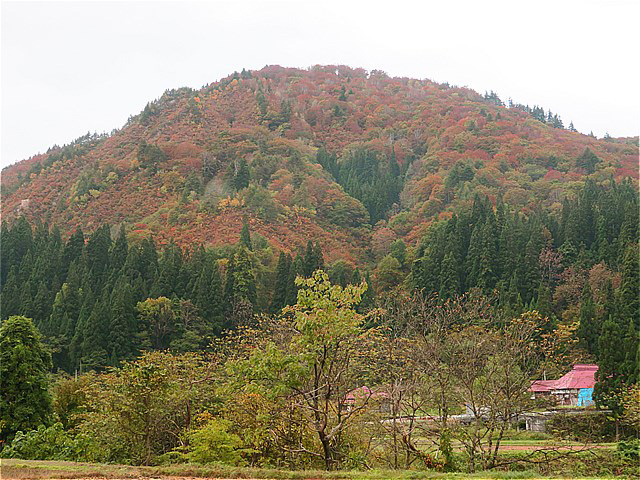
point(364, 394)
point(575, 388)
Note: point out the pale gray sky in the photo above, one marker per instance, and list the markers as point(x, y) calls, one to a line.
point(73, 67)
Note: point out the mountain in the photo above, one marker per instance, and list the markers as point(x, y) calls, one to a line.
point(349, 158)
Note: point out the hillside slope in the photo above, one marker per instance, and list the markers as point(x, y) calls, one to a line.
point(349, 158)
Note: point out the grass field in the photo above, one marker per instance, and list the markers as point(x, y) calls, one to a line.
point(36, 469)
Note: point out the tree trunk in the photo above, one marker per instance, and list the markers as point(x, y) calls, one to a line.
point(395, 435)
point(326, 449)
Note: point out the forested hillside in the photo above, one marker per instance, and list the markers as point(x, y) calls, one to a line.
point(319, 269)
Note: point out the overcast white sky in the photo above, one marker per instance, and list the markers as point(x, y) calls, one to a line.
point(73, 67)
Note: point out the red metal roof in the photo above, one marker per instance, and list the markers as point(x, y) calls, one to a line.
point(581, 376)
point(363, 393)
point(542, 385)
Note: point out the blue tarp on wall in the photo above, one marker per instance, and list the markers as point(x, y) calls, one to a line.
point(585, 397)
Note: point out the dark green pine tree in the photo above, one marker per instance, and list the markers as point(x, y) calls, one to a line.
point(61, 325)
point(26, 301)
point(473, 263)
point(588, 331)
point(426, 270)
point(508, 248)
point(628, 227)
point(631, 347)
point(629, 311)
point(119, 252)
point(168, 279)
point(75, 346)
point(328, 161)
point(343, 94)
point(530, 266)
point(513, 297)
point(309, 260)
point(585, 213)
point(26, 269)
point(16, 245)
point(215, 304)
point(318, 257)
point(630, 286)
point(602, 247)
point(488, 262)
point(148, 263)
point(244, 282)
point(73, 297)
point(95, 337)
point(72, 250)
point(5, 248)
point(122, 323)
point(394, 168)
point(297, 269)
point(185, 270)
point(610, 377)
point(544, 300)
point(279, 298)
point(207, 294)
point(449, 276)
point(98, 248)
point(609, 307)
point(245, 235)
point(42, 305)
point(47, 265)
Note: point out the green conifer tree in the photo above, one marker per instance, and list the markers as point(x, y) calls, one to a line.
point(610, 377)
point(244, 282)
point(279, 298)
point(297, 269)
point(630, 286)
point(245, 235)
point(588, 331)
point(122, 320)
point(449, 276)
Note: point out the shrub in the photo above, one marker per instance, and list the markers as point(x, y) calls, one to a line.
point(45, 443)
point(630, 449)
point(596, 426)
point(213, 443)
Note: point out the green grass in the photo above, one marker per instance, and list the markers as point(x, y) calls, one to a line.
point(546, 443)
point(34, 469)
